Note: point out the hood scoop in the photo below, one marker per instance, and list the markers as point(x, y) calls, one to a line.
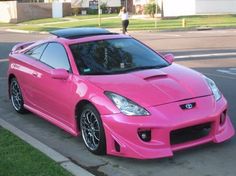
point(149, 78)
point(149, 75)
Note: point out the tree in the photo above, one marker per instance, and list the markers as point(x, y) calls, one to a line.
point(103, 6)
point(151, 9)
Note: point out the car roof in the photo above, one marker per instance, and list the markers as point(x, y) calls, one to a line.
point(75, 33)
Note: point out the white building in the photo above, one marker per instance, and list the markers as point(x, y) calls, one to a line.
point(140, 2)
point(193, 7)
point(90, 3)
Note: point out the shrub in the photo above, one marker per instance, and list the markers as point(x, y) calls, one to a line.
point(75, 11)
point(151, 9)
point(92, 11)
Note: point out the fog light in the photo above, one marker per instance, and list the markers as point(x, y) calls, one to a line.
point(223, 118)
point(145, 135)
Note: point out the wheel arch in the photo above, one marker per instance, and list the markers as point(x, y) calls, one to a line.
point(78, 109)
point(10, 77)
point(101, 150)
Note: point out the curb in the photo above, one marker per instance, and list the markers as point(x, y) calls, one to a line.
point(25, 32)
point(4, 60)
point(205, 55)
point(51, 153)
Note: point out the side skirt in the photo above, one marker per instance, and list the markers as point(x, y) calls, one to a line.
point(68, 129)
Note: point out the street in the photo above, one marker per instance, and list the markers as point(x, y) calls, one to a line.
point(212, 53)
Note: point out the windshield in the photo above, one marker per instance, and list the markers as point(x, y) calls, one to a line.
point(114, 56)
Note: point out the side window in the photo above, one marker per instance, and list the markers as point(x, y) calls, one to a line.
point(55, 56)
point(36, 52)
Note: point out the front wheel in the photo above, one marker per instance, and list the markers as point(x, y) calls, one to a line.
point(16, 96)
point(92, 130)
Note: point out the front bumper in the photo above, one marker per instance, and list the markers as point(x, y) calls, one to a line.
point(122, 131)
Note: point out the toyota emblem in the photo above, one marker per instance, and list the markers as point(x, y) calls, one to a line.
point(189, 106)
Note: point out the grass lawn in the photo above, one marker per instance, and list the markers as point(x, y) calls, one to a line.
point(66, 19)
point(137, 24)
point(5, 24)
point(19, 158)
point(45, 20)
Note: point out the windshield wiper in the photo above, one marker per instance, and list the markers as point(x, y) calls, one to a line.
point(97, 73)
point(144, 68)
point(125, 70)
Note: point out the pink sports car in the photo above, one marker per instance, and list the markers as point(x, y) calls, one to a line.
point(121, 96)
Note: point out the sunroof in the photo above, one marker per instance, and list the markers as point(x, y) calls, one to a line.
point(73, 33)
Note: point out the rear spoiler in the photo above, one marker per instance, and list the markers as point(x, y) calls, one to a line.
point(20, 46)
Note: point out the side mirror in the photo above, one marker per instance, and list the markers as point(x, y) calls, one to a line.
point(169, 58)
point(59, 74)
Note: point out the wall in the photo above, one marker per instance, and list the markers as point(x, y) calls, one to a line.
point(67, 11)
point(85, 3)
point(198, 7)
point(140, 2)
point(14, 12)
point(31, 11)
point(8, 12)
point(112, 3)
point(215, 6)
point(129, 4)
point(179, 7)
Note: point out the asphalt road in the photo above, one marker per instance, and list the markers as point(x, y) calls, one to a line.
point(193, 49)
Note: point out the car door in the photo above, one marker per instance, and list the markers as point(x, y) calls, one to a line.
point(53, 96)
point(26, 68)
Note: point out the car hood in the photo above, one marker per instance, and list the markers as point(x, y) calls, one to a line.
point(155, 86)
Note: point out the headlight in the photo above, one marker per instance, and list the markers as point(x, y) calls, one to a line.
point(127, 106)
point(214, 89)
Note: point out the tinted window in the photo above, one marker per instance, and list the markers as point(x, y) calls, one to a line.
point(36, 52)
point(115, 56)
point(55, 56)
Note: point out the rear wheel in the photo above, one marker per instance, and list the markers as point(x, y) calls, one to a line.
point(92, 130)
point(16, 96)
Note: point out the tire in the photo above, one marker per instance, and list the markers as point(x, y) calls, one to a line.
point(16, 97)
point(92, 130)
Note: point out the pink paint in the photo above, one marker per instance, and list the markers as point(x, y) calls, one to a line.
point(54, 94)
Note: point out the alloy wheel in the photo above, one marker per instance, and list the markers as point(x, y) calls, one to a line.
point(90, 129)
point(16, 96)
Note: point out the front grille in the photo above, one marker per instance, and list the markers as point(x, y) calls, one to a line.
point(190, 133)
